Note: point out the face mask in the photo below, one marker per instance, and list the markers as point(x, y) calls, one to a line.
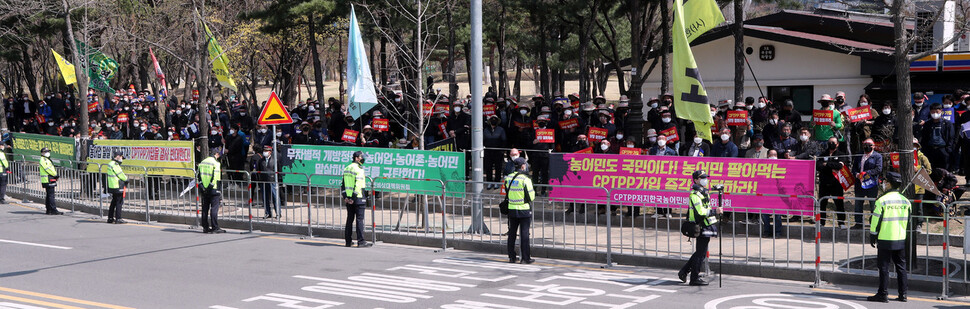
point(785, 134)
point(50, 124)
point(541, 124)
point(759, 144)
point(886, 111)
point(523, 112)
point(232, 132)
point(127, 108)
point(108, 125)
point(863, 103)
point(278, 134)
point(919, 104)
point(457, 110)
point(214, 132)
point(242, 114)
point(144, 128)
point(629, 145)
point(947, 105)
point(568, 113)
point(867, 148)
point(619, 136)
point(46, 154)
point(803, 138)
point(654, 105)
point(298, 131)
point(936, 115)
point(773, 121)
point(703, 182)
point(833, 145)
point(265, 153)
point(761, 105)
point(750, 107)
point(665, 120)
point(772, 157)
point(262, 131)
point(513, 157)
point(146, 109)
point(652, 139)
point(604, 147)
point(494, 122)
point(178, 112)
point(698, 140)
point(725, 137)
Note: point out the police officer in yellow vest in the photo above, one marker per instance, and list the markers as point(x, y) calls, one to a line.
point(520, 194)
point(48, 180)
point(353, 191)
point(701, 212)
point(4, 170)
point(117, 181)
point(210, 173)
point(888, 224)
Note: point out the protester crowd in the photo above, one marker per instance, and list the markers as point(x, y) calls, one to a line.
point(772, 130)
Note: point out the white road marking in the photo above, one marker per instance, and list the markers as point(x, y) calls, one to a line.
point(35, 244)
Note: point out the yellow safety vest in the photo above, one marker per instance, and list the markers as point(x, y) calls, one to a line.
point(210, 173)
point(3, 162)
point(702, 205)
point(518, 186)
point(115, 173)
point(354, 181)
point(46, 170)
point(893, 210)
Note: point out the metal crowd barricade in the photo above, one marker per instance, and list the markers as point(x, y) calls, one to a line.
point(293, 192)
point(173, 194)
point(237, 197)
point(326, 195)
point(961, 218)
point(386, 197)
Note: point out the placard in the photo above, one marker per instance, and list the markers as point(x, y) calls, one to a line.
point(894, 158)
point(93, 107)
point(569, 123)
point(380, 125)
point(350, 136)
point(822, 117)
point(737, 118)
point(948, 114)
point(596, 134)
point(122, 118)
point(630, 151)
point(671, 134)
point(546, 136)
point(861, 113)
point(585, 150)
point(427, 108)
point(844, 176)
point(488, 110)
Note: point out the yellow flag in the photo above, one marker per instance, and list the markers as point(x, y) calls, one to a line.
point(67, 69)
point(690, 99)
point(220, 63)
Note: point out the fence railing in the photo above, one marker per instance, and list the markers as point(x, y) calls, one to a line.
point(590, 229)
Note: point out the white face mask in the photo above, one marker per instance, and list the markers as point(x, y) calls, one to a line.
point(761, 105)
point(214, 132)
point(143, 128)
point(619, 136)
point(513, 157)
point(262, 130)
point(567, 113)
point(242, 114)
point(232, 132)
point(936, 115)
point(703, 182)
point(46, 154)
point(713, 113)
point(773, 121)
point(266, 153)
point(629, 145)
point(725, 137)
point(523, 112)
point(698, 140)
point(457, 109)
point(772, 157)
point(919, 104)
point(803, 138)
point(886, 111)
point(947, 105)
point(654, 105)
point(750, 107)
point(652, 139)
point(863, 103)
point(662, 143)
point(178, 112)
point(604, 147)
point(665, 120)
point(279, 134)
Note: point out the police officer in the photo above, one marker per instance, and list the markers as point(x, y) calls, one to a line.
point(520, 194)
point(888, 224)
point(4, 170)
point(353, 191)
point(702, 213)
point(117, 181)
point(48, 180)
point(209, 175)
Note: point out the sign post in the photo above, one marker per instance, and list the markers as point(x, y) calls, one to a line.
point(273, 114)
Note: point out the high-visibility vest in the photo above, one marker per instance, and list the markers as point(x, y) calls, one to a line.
point(701, 204)
point(115, 173)
point(518, 186)
point(210, 173)
point(354, 181)
point(3, 162)
point(893, 210)
point(46, 170)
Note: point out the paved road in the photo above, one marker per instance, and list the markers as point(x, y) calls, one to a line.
point(76, 261)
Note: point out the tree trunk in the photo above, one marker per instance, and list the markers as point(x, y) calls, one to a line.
point(543, 60)
point(517, 88)
point(317, 67)
point(903, 109)
point(738, 51)
point(503, 77)
point(28, 69)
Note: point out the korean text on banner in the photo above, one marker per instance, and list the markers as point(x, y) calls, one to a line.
point(173, 158)
point(737, 118)
point(844, 176)
point(29, 145)
point(671, 134)
point(330, 161)
point(349, 136)
point(569, 124)
point(488, 110)
point(860, 113)
point(822, 117)
point(630, 151)
point(380, 125)
point(547, 136)
point(596, 134)
point(637, 180)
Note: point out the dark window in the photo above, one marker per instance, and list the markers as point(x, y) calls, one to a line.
point(801, 96)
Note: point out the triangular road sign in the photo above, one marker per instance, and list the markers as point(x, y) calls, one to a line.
point(273, 112)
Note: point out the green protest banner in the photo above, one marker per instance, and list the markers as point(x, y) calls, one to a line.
point(381, 162)
point(63, 149)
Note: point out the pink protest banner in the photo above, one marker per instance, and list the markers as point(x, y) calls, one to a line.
point(665, 181)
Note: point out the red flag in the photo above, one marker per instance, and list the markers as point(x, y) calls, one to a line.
point(158, 73)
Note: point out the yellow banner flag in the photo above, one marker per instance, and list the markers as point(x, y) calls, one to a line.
point(67, 69)
point(690, 99)
point(220, 63)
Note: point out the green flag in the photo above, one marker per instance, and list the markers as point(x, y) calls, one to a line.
point(690, 99)
point(101, 68)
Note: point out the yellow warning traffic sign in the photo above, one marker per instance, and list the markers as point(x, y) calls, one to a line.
point(274, 113)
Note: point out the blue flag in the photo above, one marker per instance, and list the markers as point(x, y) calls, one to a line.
point(360, 83)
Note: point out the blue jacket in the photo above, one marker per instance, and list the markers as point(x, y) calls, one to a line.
point(668, 151)
point(872, 166)
point(725, 150)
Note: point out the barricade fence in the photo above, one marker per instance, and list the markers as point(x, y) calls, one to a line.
point(606, 227)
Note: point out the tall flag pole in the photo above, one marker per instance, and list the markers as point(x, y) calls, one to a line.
point(690, 98)
point(159, 74)
point(360, 83)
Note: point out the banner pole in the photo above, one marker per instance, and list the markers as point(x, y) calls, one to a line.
point(276, 184)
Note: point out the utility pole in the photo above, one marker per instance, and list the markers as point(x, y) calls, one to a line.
point(477, 151)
